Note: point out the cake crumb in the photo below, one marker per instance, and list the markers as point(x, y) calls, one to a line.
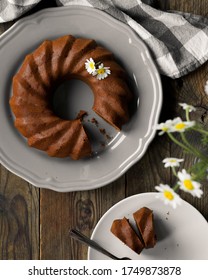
point(103, 131)
point(81, 114)
point(102, 145)
point(93, 120)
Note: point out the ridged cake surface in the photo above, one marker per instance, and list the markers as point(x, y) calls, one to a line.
point(42, 71)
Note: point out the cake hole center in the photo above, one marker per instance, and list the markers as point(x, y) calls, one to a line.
point(70, 98)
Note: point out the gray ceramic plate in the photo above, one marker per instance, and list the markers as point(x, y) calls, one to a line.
point(176, 235)
point(121, 149)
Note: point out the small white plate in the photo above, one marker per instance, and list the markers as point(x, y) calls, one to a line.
point(126, 147)
point(182, 232)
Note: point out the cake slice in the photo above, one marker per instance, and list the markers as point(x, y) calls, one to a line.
point(145, 223)
point(122, 229)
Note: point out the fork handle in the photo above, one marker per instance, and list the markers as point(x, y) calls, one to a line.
point(84, 239)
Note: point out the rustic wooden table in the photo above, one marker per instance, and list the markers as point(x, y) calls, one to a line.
point(34, 222)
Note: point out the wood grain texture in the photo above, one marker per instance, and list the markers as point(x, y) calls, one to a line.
point(19, 218)
point(149, 171)
point(190, 89)
point(190, 6)
point(81, 210)
point(34, 223)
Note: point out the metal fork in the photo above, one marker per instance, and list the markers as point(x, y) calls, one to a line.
point(86, 240)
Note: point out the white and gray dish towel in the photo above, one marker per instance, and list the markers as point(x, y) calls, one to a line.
point(177, 41)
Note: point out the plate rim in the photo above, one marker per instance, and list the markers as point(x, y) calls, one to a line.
point(28, 175)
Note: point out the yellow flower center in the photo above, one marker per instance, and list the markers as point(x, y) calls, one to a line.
point(101, 71)
point(168, 195)
point(165, 128)
point(180, 126)
point(188, 184)
point(92, 66)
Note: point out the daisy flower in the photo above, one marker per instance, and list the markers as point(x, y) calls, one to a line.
point(180, 126)
point(187, 107)
point(90, 66)
point(164, 127)
point(187, 184)
point(168, 195)
point(172, 162)
point(102, 72)
point(206, 88)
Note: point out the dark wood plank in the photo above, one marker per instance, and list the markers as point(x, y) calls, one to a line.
point(149, 172)
point(199, 7)
point(19, 212)
point(190, 89)
point(81, 210)
point(19, 218)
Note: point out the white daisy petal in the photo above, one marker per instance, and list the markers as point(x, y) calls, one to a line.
point(206, 88)
point(180, 126)
point(159, 189)
point(90, 66)
point(172, 162)
point(188, 185)
point(168, 195)
point(164, 127)
point(188, 107)
point(102, 72)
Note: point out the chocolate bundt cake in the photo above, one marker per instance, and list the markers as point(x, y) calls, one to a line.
point(145, 224)
point(122, 229)
point(43, 71)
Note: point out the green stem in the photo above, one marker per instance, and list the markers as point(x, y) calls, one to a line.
point(175, 188)
point(187, 115)
point(178, 143)
point(174, 171)
point(192, 148)
point(200, 130)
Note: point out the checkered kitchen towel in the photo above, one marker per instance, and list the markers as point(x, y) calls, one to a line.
point(12, 9)
point(178, 42)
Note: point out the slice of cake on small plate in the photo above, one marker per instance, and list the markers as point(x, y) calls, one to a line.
point(122, 229)
point(145, 223)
